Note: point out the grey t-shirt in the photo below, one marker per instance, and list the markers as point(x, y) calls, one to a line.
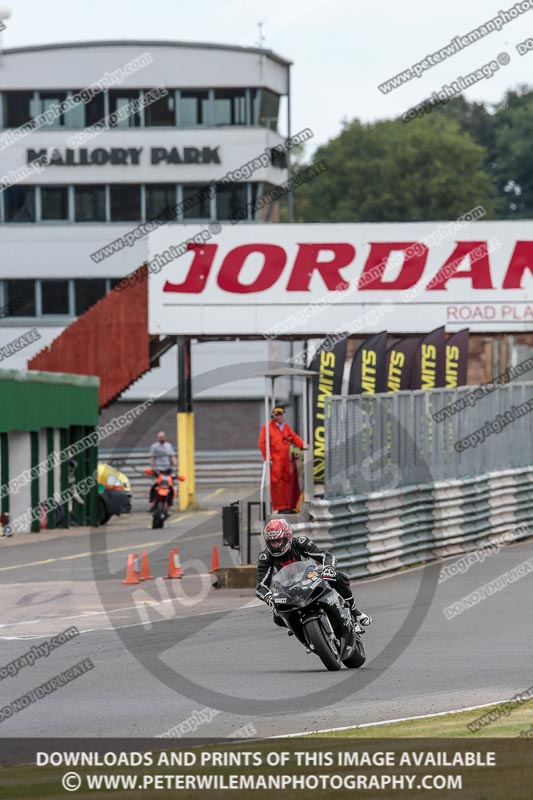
point(162, 452)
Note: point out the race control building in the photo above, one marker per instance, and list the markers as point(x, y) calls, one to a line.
point(97, 137)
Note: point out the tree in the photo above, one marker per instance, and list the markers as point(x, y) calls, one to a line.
point(394, 171)
point(513, 165)
point(473, 118)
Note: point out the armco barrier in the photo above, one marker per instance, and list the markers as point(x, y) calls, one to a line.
point(383, 531)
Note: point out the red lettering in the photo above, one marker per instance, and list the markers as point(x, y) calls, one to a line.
point(201, 265)
point(479, 271)
point(274, 259)
point(307, 262)
point(411, 271)
point(521, 260)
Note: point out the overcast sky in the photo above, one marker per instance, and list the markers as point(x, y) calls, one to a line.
point(341, 49)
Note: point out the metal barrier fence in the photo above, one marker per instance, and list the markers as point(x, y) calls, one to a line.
point(213, 468)
point(385, 441)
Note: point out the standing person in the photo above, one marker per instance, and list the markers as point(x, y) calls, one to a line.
point(162, 458)
point(281, 438)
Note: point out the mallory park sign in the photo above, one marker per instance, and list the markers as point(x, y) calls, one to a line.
point(121, 156)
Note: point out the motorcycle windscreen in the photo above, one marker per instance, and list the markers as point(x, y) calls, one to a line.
point(298, 579)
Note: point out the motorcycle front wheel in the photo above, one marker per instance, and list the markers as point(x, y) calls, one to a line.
point(317, 638)
point(159, 516)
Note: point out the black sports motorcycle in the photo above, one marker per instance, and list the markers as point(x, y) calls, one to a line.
point(317, 615)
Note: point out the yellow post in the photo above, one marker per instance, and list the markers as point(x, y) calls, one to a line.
point(185, 426)
point(191, 481)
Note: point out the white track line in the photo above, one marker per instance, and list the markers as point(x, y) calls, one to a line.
point(387, 721)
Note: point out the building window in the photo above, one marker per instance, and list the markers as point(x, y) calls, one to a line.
point(17, 108)
point(254, 194)
point(83, 115)
point(160, 198)
point(125, 202)
point(89, 204)
point(230, 107)
point(254, 106)
point(269, 205)
point(162, 112)
point(20, 294)
point(269, 109)
point(88, 292)
point(196, 202)
point(50, 101)
point(194, 107)
point(232, 202)
point(119, 100)
point(54, 203)
point(55, 297)
point(19, 204)
point(278, 159)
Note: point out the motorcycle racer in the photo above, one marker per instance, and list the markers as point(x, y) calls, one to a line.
point(282, 549)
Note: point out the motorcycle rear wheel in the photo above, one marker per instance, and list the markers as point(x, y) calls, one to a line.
point(316, 637)
point(358, 657)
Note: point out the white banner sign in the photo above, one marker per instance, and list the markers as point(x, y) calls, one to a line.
point(314, 280)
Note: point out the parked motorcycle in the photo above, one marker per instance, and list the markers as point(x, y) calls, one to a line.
point(317, 615)
point(164, 493)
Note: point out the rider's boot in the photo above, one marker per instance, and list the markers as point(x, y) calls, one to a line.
point(359, 616)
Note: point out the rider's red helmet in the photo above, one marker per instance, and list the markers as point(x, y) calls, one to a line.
point(278, 537)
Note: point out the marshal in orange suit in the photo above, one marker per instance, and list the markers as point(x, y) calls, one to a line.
point(281, 438)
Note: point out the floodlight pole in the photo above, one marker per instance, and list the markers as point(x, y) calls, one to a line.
point(264, 493)
point(307, 436)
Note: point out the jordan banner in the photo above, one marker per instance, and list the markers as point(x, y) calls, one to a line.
point(329, 364)
point(368, 373)
point(399, 364)
point(429, 367)
point(457, 359)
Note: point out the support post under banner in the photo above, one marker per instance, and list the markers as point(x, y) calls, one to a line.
point(185, 425)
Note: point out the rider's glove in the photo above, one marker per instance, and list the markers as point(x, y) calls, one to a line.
point(269, 599)
point(329, 573)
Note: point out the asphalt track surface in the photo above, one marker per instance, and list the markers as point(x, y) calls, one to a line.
point(195, 646)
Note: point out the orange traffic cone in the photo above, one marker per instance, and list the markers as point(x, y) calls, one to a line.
point(146, 575)
point(174, 566)
point(177, 563)
point(136, 566)
point(131, 577)
point(215, 563)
